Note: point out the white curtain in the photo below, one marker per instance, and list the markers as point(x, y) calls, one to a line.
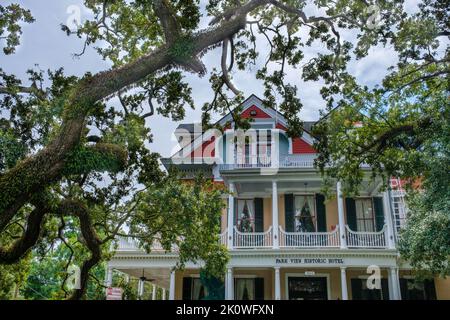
point(245, 289)
point(197, 289)
point(246, 220)
point(302, 204)
point(364, 215)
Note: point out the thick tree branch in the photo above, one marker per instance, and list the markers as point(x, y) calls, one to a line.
point(382, 141)
point(28, 239)
point(31, 175)
point(93, 243)
point(169, 23)
point(225, 75)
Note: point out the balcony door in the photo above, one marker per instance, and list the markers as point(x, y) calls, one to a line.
point(249, 215)
point(365, 214)
point(305, 213)
point(248, 152)
point(246, 217)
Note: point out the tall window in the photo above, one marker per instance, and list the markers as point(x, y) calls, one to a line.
point(264, 146)
point(242, 151)
point(198, 290)
point(305, 213)
point(245, 215)
point(245, 289)
point(365, 218)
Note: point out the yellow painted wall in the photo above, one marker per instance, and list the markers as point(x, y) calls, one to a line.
point(332, 214)
point(442, 285)
point(267, 274)
point(179, 275)
point(442, 288)
point(331, 209)
point(224, 220)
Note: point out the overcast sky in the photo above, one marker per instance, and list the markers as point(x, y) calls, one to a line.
point(44, 43)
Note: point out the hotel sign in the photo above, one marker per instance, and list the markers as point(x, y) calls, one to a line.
point(327, 261)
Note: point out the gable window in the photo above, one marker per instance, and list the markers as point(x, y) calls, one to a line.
point(365, 217)
point(305, 219)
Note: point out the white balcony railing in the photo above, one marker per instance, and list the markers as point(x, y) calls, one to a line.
point(267, 161)
point(252, 239)
point(131, 244)
point(297, 160)
point(252, 161)
point(357, 239)
point(223, 238)
point(263, 240)
point(127, 244)
point(309, 239)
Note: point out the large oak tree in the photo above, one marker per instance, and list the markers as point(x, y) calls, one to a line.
point(63, 134)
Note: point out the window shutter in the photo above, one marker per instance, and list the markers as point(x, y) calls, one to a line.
point(404, 289)
point(289, 212)
point(259, 288)
point(235, 209)
point(356, 289)
point(187, 287)
point(430, 290)
point(259, 215)
point(321, 213)
point(379, 212)
point(385, 289)
point(351, 213)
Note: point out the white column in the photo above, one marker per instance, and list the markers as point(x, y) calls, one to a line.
point(277, 284)
point(388, 221)
point(340, 202)
point(275, 225)
point(172, 286)
point(344, 284)
point(109, 275)
point(154, 292)
point(230, 284)
point(163, 294)
point(230, 223)
point(394, 285)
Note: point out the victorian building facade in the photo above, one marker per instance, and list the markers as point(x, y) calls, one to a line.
point(286, 241)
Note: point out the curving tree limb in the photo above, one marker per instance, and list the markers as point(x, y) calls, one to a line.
point(93, 242)
point(29, 237)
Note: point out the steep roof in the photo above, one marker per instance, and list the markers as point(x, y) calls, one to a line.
point(307, 125)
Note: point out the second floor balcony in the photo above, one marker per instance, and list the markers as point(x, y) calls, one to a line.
point(287, 240)
point(297, 240)
point(288, 212)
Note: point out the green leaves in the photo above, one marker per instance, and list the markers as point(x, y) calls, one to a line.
point(101, 157)
point(11, 17)
point(184, 216)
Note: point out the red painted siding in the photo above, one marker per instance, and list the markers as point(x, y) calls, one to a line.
point(259, 113)
point(300, 146)
point(210, 152)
